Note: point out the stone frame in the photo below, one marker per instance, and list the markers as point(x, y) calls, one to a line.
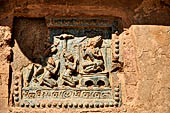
point(115, 102)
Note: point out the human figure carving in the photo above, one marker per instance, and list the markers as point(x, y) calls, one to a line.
point(43, 74)
point(71, 62)
point(51, 70)
point(92, 56)
point(27, 74)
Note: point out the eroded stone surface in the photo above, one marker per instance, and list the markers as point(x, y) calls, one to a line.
point(5, 55)
point(152, 53)
point(147, 81)
point(76, 65)
point(132, 11)
point(145, 85)
point(144, 49)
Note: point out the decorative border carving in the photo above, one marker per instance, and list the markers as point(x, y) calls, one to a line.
point(67, 98)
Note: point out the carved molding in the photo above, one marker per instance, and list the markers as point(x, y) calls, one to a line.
point(77, 69)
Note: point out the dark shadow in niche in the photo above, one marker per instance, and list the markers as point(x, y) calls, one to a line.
point(31, 35)
point(9, 86)
point(89, 83)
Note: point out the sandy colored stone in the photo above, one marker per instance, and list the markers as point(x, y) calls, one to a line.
point(145, 80)
point(151, 55)
point(152, 47)
point(144, 48)
point(5, 53)
point(3, 105)
point(131, 11)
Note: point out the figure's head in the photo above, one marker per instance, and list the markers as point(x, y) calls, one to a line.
point(68, 55)
point(116, 32)
point(51, 61)
point(95, 41)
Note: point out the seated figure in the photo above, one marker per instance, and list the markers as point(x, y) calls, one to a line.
point(92, 56)
point(51, 70)
point(71, 62)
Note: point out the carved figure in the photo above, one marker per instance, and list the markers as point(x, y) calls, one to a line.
point(92, 56)
point(51, 70)
point(73, 67)
point(46, 73)
point(71, 62)
point(27, 74)
point(53, 65)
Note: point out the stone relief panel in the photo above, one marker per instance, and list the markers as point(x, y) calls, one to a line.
point(76, 70)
